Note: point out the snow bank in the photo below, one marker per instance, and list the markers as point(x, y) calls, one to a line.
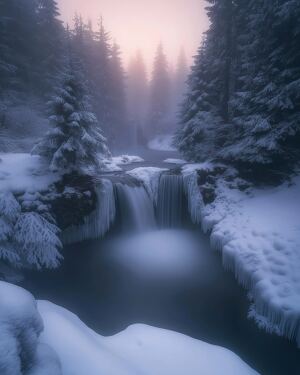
point(138, 350)
point(98, 222)
point(20, 327)
point(162, 143)
point(114, 164)
point(259, 237)
point(149, 177)
point(24, 172)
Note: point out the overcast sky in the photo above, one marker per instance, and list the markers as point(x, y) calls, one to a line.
point(142, 24)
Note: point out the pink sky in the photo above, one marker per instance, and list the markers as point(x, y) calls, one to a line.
point(144, 23)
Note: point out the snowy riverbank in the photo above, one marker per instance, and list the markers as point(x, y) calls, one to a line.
point(258, 234)
point(41, 338)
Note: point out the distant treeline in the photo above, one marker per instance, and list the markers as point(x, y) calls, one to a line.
point(34, 51)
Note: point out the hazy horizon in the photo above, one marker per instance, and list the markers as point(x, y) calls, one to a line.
point(141, 24)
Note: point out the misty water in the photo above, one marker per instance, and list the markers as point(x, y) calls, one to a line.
point(161, 273)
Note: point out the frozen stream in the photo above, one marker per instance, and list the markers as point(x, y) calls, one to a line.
point(167, 278)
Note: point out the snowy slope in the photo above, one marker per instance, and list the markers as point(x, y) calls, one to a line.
point(138, 350)
point(45, 339)
point(259, 237)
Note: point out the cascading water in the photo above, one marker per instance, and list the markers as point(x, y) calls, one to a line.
point(136, 211)
point(171, 204)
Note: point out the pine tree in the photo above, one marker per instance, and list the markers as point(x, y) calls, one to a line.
point(160, 95)
point(138, 96)
point(200, 114)
point(266, 106)
point(181, 75)
point(103, 99)
point(50, 42)
point(75, 143)
point(118, 96)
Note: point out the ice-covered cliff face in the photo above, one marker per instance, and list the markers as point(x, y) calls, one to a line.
point(97, 224)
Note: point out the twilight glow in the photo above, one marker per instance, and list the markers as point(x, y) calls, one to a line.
point(142, 24)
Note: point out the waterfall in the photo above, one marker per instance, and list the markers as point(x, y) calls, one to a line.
point(97, 224)
point(135, 208)
point(171, 201)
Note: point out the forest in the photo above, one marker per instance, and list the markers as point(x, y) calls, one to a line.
point(149, 210)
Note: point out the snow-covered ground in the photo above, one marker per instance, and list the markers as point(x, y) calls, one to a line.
point(24, 172)
point(259, 237)
point(45, 339)
point(162, 143)
point(115, 163)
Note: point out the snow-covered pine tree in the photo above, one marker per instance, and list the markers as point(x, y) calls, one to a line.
point(10, 211)
point(37, 241)
point(27, 239)
point(266, 106)
point(75, 144)
point(205, 110)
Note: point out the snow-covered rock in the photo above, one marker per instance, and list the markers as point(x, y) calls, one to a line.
point(115, 163)
point(162, 143)
point(20, 327)
point(24, 172)
point(149, 176)
point(139, 349)
point(259, 237)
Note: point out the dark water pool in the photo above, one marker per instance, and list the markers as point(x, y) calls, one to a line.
point(169, 279)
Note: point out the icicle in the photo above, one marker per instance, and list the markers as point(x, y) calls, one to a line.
point(195, 202)
point(99, 221)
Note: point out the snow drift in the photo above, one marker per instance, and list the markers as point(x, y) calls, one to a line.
point(45, 339)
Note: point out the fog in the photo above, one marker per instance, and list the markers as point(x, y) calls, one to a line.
point(142, 24)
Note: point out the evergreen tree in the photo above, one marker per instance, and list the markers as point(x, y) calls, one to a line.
point(118, 96)
point(75, 142)
point(50, 42)
point(138, 96)
point(243, 99)
point(103, 97)
point(266, 105)
point(160, 95)
point(181, 75)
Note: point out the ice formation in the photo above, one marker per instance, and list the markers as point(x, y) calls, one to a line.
point(99, 221)
point(259, 238)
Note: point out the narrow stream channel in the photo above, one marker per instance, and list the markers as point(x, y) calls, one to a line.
point(165, 276)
